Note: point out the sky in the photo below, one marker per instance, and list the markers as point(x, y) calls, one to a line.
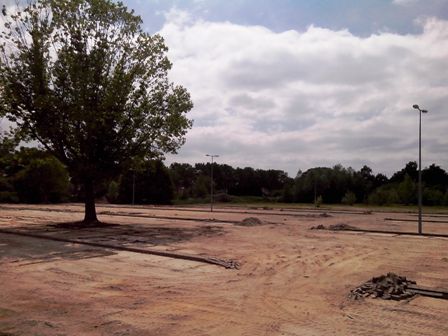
point(291, 84)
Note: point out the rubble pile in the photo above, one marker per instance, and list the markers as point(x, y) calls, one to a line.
point(386, 287)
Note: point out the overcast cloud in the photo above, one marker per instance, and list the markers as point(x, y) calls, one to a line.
point(309, 96)
point(298, 99)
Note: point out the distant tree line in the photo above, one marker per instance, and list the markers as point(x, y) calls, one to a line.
point(31, 175)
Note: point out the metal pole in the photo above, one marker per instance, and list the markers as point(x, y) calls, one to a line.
point(211, 181)
point(211, 188)
point(420, 173)
point(420, 225)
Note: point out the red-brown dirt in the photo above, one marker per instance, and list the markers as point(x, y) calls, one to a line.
point(292, 280)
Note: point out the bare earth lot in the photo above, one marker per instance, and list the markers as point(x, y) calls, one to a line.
point(292, 280)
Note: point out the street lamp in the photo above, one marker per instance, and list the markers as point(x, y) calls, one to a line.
point(211, 180)
point(415, 106)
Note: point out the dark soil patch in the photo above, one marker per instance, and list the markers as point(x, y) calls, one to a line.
point(82, 225)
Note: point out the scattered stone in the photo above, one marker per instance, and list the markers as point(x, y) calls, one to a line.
point(250, 221)
point(324, 215)
point(386, 287)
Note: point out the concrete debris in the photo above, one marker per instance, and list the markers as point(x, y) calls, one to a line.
point(386, 287)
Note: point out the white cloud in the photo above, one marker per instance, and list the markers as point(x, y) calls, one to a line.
point(404, 2)
point(295, 100)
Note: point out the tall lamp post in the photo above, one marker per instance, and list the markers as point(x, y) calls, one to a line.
point(420, 231)
point(212, 156)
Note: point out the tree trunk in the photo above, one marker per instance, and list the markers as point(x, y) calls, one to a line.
point(90, 210)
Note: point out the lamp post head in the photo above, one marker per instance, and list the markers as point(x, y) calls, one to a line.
point(424, 111)
point(416, 107)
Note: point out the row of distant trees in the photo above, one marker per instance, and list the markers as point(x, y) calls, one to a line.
point(31, 175)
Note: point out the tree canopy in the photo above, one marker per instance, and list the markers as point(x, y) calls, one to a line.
point(83, 79)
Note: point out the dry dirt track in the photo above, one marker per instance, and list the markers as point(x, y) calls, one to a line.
point(292, 281)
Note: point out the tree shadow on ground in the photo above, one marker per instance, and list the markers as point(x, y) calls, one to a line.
point(127, 235)
point(28, 250)
point(132, 233)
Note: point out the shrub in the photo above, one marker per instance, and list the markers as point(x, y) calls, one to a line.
point(42, 180)
point(318, 201)
point(349, 198)
point(113, 191)
point(383, 196)
point(8, 197)
point(432, 197)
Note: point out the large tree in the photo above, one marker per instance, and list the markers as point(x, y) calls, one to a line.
point(83, 79)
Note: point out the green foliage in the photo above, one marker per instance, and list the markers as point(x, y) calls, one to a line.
point(349, 198)
point(113, 191)
point(432, 196)
point(384, 195)
point(8, 197)
point(83, 79)
point(201, 186)
point(318, 202)
point(153, 184)
point(407, 191)
point(42, 181)
point(287, 195)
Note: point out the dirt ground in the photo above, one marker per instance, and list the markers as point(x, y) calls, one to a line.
point(292, 280)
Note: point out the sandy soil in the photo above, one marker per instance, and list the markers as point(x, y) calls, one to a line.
point(292, 280)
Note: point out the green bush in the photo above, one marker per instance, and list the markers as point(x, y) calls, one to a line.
point(318, 202)
point(407, 191)
point(445, 198)
point(349, 198)
point(8, 197)
point(41, 181)
point(432, 196)
point(383, 196)
point(113, 191)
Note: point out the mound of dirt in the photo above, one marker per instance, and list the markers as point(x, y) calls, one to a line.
point(318, 227)
point(250, 221)
point(387, 287)
point(341, 226)
point(334, 227)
